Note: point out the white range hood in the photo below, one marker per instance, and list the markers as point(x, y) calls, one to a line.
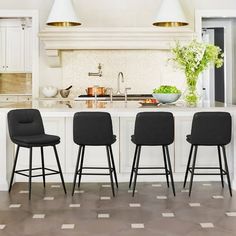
point(58, 39)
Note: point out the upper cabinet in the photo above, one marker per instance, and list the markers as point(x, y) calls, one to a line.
point(15, 46)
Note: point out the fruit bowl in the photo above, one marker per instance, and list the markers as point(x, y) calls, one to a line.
point(166, 97)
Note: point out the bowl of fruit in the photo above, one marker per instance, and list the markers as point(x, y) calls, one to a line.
point(166, 94)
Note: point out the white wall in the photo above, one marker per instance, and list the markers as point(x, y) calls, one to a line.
point(102, 13)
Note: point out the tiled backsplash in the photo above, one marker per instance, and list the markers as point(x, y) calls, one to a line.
point(143, 69)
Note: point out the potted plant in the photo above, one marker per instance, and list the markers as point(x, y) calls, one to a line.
point(193, 59)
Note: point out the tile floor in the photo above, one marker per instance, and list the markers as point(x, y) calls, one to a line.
point(92, 211)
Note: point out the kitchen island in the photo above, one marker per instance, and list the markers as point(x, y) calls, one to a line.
point(58, 120)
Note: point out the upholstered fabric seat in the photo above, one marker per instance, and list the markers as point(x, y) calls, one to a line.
point(26, 130)
point(153, 129)
point(94, 129)
point(37, 140)
point(209, 129)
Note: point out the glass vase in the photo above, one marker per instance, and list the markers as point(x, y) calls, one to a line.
point(191, 96)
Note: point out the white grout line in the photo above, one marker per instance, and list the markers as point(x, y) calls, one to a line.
point(24, 191)
point(207, 225)
point(137, 226)
point(105, 198)
point(156, 185)
point(74, 205)
point(15, 206)
point(161, 197)
point(218, 197)
point(2, 227)
point(48, 198)
point(134, 205)
point(38, 216)
point(103, 216)
point(68, 226)
point(194, 204)
point(168, 214)
point(230, 213)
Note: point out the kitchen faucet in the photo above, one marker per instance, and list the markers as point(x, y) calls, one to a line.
point(118, 82)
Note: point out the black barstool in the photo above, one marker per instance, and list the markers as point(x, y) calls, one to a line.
point(26, 130)
point(94, 129)
point(153, 129)
point(209, 129)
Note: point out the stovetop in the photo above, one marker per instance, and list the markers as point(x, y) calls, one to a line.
point(130, 97)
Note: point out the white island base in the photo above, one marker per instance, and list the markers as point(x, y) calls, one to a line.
point(58, 120)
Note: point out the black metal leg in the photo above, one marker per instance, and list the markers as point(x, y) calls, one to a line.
point(193, 168)
point(110, 171)
point(113, 165)
point(132, 170)
point(187, 169)
point(76, 170)
point(136, 169)
point(220, 163)
point(43, 170)
point(166, 168)
point(59, 167)
point(30, 172)
point(170, 170)
point(81, 165)
point(14, 168)
point(227, 170)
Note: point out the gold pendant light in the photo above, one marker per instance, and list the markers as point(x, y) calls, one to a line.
point(63, 14)
point(170, 14)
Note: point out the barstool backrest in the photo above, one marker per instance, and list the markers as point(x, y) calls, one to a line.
point(154, 128)
point(24, 122)
point(211, 128)
point(92, 128)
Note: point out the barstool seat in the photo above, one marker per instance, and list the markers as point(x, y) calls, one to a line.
point(37, 140)
point(209, 129)
point(93, 129)
point(26, 130)
point(153, 129)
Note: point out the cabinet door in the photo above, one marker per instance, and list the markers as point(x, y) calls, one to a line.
point(206, 155)
point(150, 156)
point(94, 155)
point(14, 49)
point(54, 126)
point(2, 48)
point(28, 49)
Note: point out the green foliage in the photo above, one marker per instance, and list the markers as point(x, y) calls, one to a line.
point(193, 59)
point(166, 89)
point(196, 57)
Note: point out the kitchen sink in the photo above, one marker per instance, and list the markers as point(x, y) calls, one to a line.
point(130, 97)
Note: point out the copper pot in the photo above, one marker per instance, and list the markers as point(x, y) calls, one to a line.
point(99, 90)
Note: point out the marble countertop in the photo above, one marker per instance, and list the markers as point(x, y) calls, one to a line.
point(116, 108)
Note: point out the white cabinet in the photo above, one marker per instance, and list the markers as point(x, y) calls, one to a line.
point(15, 46)
point(150, 156)
point(94, 155)
point(28, 48)
point(54, 126)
